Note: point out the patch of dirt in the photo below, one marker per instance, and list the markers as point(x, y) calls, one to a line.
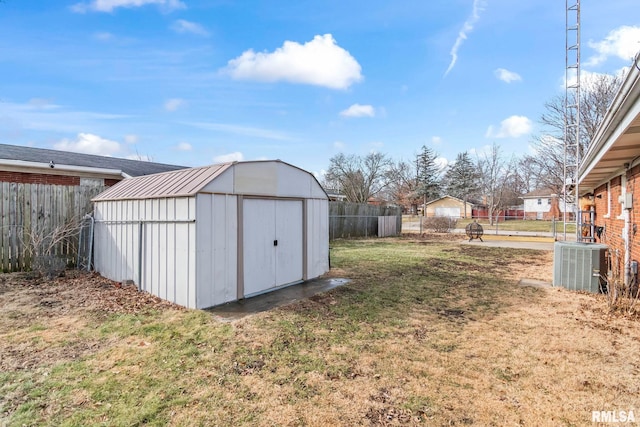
point(35, 312)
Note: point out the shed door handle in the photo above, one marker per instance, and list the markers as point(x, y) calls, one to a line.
point(275, 243)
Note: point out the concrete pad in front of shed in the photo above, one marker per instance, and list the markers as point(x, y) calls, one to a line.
point(268, 301)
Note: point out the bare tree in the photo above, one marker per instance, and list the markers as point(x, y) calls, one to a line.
point(403, 185)
point(358, 178)
point(496, 177)
point(547, 164)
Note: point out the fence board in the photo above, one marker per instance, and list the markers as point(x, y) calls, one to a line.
point(27, 209)
point(387, 226)
point(358, 220)
point(4, 226)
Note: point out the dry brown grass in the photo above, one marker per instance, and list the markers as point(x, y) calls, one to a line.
point(427, 333)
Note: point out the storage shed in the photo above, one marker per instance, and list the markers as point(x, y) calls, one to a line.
point(205, 236)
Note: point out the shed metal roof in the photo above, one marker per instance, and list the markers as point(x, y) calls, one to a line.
point(41, 155)
point(180, 183)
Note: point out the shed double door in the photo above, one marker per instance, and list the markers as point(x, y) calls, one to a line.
point(272, 244)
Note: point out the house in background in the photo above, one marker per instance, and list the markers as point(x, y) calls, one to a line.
point(335, 195)
point(545, 204)
point(41, 190)
point(541, 204)
point(448, 206)
point(609, 176)
point(29, 165)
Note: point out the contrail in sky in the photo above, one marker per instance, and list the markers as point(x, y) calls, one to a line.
point(478, 6)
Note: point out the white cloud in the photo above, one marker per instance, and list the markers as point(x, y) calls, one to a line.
point(242, 130)
point(42, 103)
point(482, 151)
point(43, 114)
point(184, 146)
point(467, 27)
point(103, 36)
point(173, 104)
point(441, 162)
point(357, 110)
point(339, 145)
point(319, 62)
point(182, 26)
point(506, 75)
point(436, 140)
point(131, 139)
point(375, 146)
point(587, 78)
point(511, 127)
point(111, 5)
point(88, 143)
point(623, 42)
point(229, 157)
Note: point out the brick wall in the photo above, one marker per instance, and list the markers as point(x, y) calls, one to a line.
point(38, 178)
point(42, 178)
point(614, 224)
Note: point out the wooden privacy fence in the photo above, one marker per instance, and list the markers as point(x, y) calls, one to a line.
point(35, 211)
point(362, 220)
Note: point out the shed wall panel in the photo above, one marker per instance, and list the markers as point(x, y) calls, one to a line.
point(293, 182)
point(317, 241)
point(166, 252)
point(222, 184)
point(256, 179)
point(217, 237)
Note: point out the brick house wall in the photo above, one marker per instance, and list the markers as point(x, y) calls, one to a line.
point(609, 214)
point(50, 179)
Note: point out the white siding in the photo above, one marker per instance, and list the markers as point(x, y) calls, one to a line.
point(531, 205)
point(190, 243)
point(217, 248)
point(317, 237)
point(168, 245)
point(272, 243)
point(260, 179)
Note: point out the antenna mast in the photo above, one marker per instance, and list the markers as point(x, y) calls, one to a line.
point(572, 149)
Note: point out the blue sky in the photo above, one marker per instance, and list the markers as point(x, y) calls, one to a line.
point(195, 82)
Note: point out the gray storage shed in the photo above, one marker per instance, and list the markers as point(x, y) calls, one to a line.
point(204, 236)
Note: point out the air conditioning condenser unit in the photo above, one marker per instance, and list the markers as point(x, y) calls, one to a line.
point(580, 266)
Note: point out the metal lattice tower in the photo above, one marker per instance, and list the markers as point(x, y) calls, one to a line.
point(572, 150)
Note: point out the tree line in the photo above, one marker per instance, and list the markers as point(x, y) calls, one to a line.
point(488, 177)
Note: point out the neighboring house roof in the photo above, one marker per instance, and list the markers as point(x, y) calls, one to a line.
point(45, 156)
point(539, 193)
point(616, 143)
point(335, 194)
point(448, 197)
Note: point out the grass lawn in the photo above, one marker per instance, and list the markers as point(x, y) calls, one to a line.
point(535, 226)
point(522, 225)
point(427, 333)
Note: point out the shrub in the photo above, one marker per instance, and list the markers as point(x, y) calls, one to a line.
point(439, 224)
